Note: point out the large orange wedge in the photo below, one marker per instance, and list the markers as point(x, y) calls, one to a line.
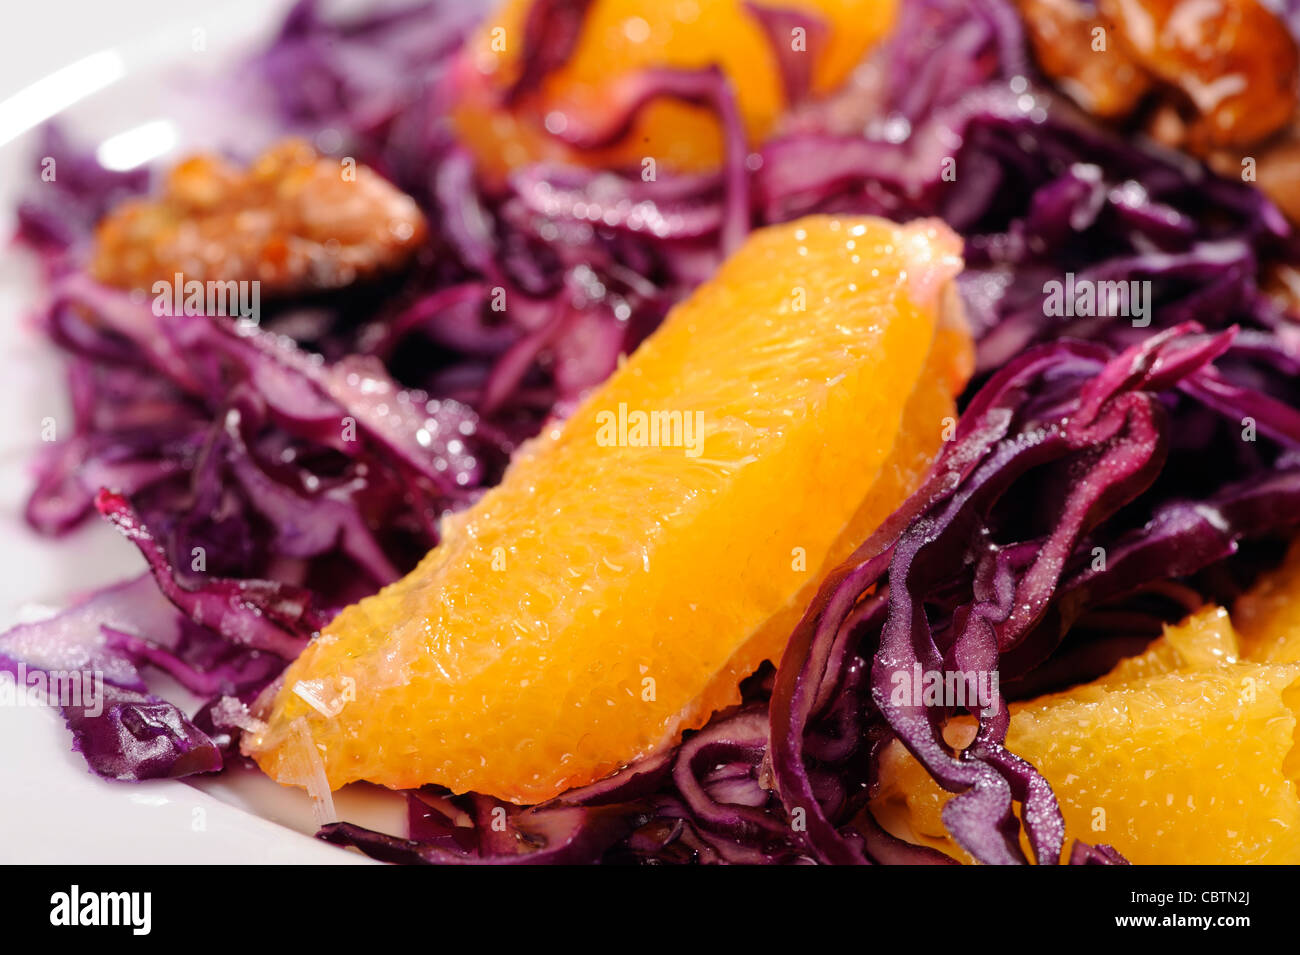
point(620, 38)
point(616, 586)
point(1184, 754)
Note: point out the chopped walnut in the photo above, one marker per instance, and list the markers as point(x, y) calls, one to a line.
point(1105, 82)
point(1217, 78)
point(1282, 283)
point(1278, 174)
point(1277, 169)
point(1229, 66)
point(293, 220)
point(1233, 60)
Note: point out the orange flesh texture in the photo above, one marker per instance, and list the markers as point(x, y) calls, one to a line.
point(623, 37)
point(603, 599)
point(1185, 754)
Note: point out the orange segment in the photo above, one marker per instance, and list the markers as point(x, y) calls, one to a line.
point(623, 37)
point(1181, 755)
point(1205, 639)
point(609, 593)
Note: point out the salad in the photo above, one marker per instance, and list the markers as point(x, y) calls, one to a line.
point(718, 431)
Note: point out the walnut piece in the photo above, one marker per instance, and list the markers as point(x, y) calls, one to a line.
point(293, 220)
point(1229, 68)
point(1105, 82)
point(1234, 61)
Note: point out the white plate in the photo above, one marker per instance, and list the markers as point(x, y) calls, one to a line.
point(52, 810)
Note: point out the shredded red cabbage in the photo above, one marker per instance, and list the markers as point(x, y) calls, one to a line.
point(221, 445)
